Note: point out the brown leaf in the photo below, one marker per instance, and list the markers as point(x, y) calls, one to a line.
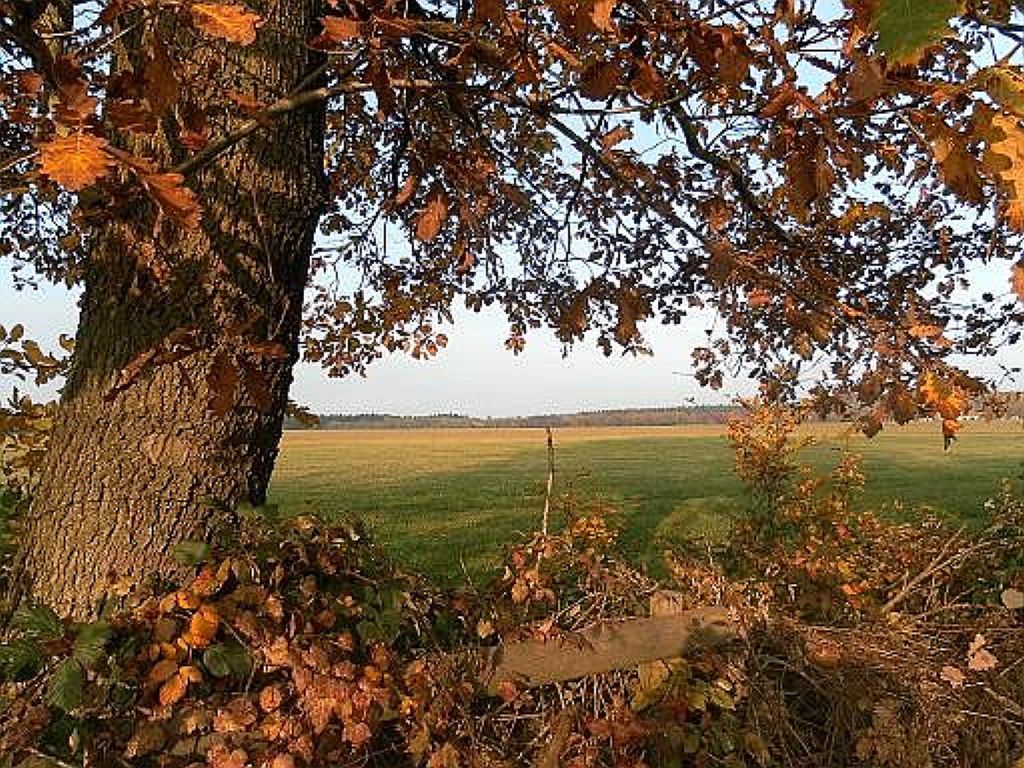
point(178, 202)
point(29, 82)
point(616, 136)
point(600, 80)
point(433, 216)
point(248, 104)
point(957, 166)
point(237, 716)
point(195, 129)
point(446, 757)
point(489, 10)
point(75, 161)
point(953, 676)
point(722, 262)
point(271, 698)
point(149, 737)
point(233, 23)
point(357, 734)
point(162, 671)
point(162, 87)
point(268, 350)
point(647, 82)
point(633, 307)
point(525, 69)
point(222, 380)
point(1012, 598)
point(131, 116)
point(255, 383)
point(396, 27)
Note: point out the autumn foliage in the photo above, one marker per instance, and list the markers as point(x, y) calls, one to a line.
point(794, 168)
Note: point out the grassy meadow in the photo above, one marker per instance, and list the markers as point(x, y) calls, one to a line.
point(445, 501)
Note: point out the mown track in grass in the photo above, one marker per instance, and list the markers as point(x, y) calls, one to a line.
point(444, 500)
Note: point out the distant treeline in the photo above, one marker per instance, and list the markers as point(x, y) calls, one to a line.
point(619, 417)
point(1012, 407)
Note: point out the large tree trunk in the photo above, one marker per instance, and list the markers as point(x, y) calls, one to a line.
point(139, 461)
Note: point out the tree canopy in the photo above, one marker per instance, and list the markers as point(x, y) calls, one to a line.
point(838, 182)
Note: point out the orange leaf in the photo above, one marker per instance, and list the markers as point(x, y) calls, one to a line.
point(616, 136)
point(979, 659)
point(1006, 158)
point(406, 192)
point(338, 30)
point(271, 698)
point(218, 756)
point(173, 690)
point(178, 202)
point(202, 628)
point(1017, 279)
point(75, 161)
point(601, 15)
point(433, 216)
point(187, 599)
point(233, 23)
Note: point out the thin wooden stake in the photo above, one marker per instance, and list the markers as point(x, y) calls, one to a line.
point(551, 482)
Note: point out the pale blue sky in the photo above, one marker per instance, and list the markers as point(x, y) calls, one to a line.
point(476, 375)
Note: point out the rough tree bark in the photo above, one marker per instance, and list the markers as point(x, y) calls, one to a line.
point(136, 467)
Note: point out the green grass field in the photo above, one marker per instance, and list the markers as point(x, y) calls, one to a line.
point(445, 501)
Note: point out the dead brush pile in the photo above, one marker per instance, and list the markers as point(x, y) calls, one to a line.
point(864, 642)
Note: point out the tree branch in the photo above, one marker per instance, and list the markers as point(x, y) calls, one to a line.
point(735, 174)
point(605, 647)
point(215, 149)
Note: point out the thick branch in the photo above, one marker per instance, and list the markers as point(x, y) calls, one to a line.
point(604, 648)
point(739, 181)
point(216, 148)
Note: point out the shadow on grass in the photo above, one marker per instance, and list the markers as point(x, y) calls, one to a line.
point(452, 523)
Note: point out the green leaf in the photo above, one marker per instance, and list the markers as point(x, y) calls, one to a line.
point(223, 659)
point(191, 552)
point(1005, 85)
point(66, 687)
point(38, 621)
point(20, 660)
point(89, 644)
point(906, 28)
